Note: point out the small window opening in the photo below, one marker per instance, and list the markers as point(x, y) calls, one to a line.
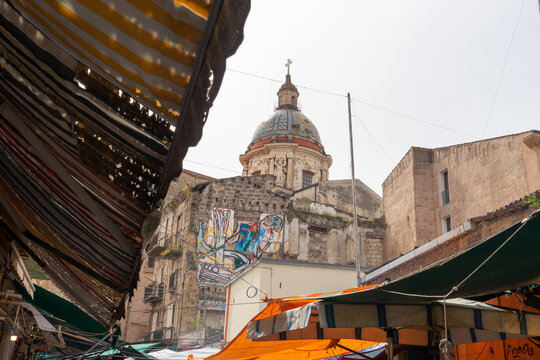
point(307, 178)
point(444, 186)
point(446, 224)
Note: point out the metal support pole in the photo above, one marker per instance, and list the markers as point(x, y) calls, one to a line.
point(93, 347)
point(390, 342)
point(353, 190)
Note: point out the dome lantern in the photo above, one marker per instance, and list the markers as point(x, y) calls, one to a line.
point(287, 93)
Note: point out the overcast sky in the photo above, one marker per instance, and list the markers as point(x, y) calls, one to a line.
point(426, 73)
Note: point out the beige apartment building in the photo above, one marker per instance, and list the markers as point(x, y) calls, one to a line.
point(434, 191)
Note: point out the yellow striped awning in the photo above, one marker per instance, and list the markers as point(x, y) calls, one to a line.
point(147, 48)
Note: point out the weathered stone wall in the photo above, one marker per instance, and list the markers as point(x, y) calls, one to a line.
point(249, 197)
point(328, 239)
point(483, 176)
point(135, 324)
point(374, 249)
point(187, 178)
point(337, 193)
point(398, 208)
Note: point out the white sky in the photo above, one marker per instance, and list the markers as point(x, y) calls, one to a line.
point(437, 61)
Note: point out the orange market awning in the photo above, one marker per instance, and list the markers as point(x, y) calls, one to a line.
point(241, 348)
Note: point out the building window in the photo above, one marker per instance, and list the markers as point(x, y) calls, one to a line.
point(153, 326)
point(445, 190)
point(173, 279)
point(151, 262)
point(178, 228)
point(446, 224)
point(280, 99)
point(293, 100)
point(169, 316)
point(307, 178)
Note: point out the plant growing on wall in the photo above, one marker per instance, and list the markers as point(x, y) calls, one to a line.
point(171, 251)
point(532, 200)
point(187, 191)
point(196, 322)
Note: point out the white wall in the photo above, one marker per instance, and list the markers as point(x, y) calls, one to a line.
point(279, 280)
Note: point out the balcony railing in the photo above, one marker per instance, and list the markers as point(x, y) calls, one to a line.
point(153, 292)
point(445, 196)
point(163, 333)
point(159, 243)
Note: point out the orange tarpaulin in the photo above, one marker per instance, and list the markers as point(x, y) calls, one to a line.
point(242, 348)
point(514, 349)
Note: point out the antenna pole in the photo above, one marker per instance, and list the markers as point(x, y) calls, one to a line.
point(353, 191)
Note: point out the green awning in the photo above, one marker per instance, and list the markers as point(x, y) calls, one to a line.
point(54, 305)
point(515, 264)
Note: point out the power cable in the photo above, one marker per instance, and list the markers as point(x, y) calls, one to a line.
point(372, 138)
point(360, 101)
point(212, 166)
point(414, 118)
point(281, 81)
point(503, 68)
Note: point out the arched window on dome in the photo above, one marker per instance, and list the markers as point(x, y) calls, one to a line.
point(307, 178)
point(280, 99)
point(293, 100)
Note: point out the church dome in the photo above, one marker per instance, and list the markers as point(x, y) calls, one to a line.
point(287, 145)
point(287, 124)
point(287, 121)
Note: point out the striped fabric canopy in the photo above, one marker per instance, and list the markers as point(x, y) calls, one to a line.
point(146, 48)
point(99, 102)
point(467, 322)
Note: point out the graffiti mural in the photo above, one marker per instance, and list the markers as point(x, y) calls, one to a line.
point(228, 249)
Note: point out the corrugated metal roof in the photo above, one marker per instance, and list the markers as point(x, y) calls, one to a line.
point(88, 93)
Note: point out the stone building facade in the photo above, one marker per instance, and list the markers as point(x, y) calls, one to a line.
point(137, 320)
point(211, 231)
point(186, 306)
point(432, 191)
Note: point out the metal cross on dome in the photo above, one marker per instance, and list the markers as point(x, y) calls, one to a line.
point(288, 65)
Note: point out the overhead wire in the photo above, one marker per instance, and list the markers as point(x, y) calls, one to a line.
point(359, 101)
point(281, 81)
point(503, 68)
point(414, 118)
point(213, 166)
point(372, 138)
point(363, 102)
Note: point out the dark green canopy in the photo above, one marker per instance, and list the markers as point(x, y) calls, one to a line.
point(54, 305)
point(515, 263)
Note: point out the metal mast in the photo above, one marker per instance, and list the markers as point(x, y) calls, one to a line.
point(353, 190)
